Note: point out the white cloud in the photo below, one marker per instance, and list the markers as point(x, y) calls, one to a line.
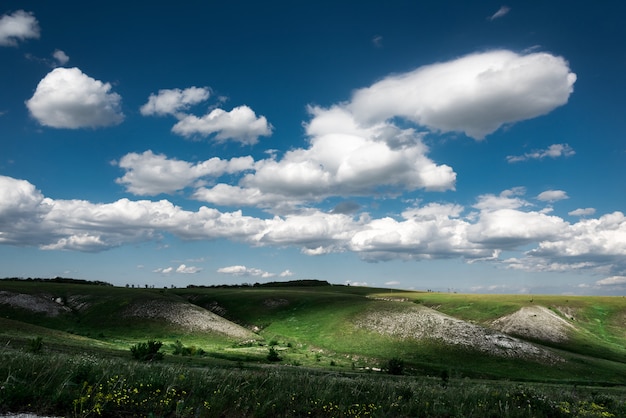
point(151, 174)
point(508, 199)
point(245, 272)
point(502, 11)
point(601, 237)
point(343, 159)
point(494, 225)
point(582, 212)
point(67, 98)
point(183, 269)
point(240, 124)
point(60, 57)
point(552, 195)
point(475, 94)
point(174, 101)
point(612, 281)
point(553, 151)
point(511, 228)
point(18, 26)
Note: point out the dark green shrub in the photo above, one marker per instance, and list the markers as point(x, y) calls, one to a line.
point(148, 351)
point(272, 355)
point(395, 366)
point(35, 345)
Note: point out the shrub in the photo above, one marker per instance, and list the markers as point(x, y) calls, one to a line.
point(272, 355)
point(148, 351)
point(35, 345)
point(395, 366)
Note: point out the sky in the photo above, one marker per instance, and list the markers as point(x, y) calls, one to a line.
point(436, 145)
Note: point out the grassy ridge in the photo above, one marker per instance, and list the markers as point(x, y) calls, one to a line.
point(86, 370)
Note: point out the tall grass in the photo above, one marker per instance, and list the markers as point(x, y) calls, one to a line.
point(81, 386)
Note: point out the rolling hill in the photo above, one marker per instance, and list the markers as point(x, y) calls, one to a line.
point(517, 337)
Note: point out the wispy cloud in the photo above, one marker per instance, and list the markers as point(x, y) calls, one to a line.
point(553, 151)
point(181, 269)
point(552, 195)
point(244, 271)
point(502, 11)
point(612, 281)
point(582, 212)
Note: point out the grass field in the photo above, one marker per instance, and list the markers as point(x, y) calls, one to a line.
point(328, 366)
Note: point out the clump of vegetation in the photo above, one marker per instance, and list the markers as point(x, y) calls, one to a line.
point(148, 351)
point(35, 345)
point(181, 350)
point(272, 355)
point(395, 366)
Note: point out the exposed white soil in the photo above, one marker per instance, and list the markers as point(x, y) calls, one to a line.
point(44, 304)
point(420, 322)
point(187, 316)
point(536, 322)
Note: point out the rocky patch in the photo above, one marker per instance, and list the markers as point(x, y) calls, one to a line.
point(535, 322)
point(187, 316)
point(43, 304)
point(420, 322)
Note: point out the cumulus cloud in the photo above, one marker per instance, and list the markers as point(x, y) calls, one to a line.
point(68, 98)
point(612, 281)
point(552, 195)
point(240, 124)
point(502, 11)
point(18, 26)
point(475, 94)
point(152, 174)
point(496, 223)
point(582, 212)
point(343, 159)
point(243, 271)
point(553, 151)
point(174, 101)
point(60, 57)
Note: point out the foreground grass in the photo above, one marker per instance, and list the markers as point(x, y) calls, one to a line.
point(81, 386)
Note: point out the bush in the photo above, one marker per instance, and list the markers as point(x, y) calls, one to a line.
point(395, 366)
point(35, 345)
point(272, 355)
point(148, 351)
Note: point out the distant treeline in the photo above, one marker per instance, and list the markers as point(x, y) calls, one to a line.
point(291, 283)
point(57, 280)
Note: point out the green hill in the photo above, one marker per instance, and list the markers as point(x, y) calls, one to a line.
point(517, 337)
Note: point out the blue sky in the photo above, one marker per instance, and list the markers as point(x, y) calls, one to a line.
point(440, 145)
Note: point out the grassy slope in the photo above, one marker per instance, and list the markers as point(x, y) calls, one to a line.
point(313, 326)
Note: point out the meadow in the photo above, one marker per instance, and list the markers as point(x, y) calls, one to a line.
point(77, 362)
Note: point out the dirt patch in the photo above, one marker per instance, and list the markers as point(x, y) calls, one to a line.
point(187, 316)
point(536, 322)
point(420, 322)
point(275, 302)
point(43, 304)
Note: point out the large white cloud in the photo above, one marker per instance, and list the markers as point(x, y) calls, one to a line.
point(475, 94)
point(422, 232)
point(68, 98)
point(173, 101)
point(18, 26)
point(342, 159)
point(151, 174)
point(240, 124)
